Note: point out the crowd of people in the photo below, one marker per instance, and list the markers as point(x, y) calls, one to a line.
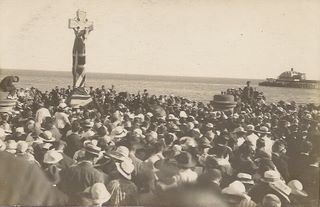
point(140, 149)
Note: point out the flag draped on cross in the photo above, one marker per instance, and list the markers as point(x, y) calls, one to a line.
point(81, 27)
point(79, 61)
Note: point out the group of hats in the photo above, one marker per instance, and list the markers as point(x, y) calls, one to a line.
point(123, 162)
point(273, 178)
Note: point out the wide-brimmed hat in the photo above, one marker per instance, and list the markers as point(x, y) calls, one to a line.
point(209, 125)
point(97, 193)
point(250, 128)
point(46, 136)
point(297, 188)
point(52, 157)
point(185, 160)
point(119, 132)
point(239, 130)
point(172, 117)
point(92, 149)
point(236, 188)
point(245, 178)
point(121, 153)
point(271, 176)
point(125, 168)
point(62, 105)
point(88, 123)
point(281, 188)
point(264, 130)
point(138, 132)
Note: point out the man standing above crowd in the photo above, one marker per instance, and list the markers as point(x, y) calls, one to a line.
point(248, 93)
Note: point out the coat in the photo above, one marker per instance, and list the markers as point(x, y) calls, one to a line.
point(22, 183)
point(77, 178)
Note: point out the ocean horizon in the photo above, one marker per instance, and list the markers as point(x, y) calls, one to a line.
point(195, 88)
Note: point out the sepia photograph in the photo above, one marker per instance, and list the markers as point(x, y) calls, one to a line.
point(209, 103)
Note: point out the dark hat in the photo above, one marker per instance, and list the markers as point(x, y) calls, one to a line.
point(185, 160)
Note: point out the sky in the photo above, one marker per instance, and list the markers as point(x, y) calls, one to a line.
point(210, 38)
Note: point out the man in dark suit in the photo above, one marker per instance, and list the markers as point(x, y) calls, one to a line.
point(73, 141)
point(77, 178)
point(278, 153)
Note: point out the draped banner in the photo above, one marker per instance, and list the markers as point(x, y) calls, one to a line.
point(79, 61)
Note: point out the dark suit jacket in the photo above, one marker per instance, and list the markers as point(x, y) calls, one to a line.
point(282, 167)
point(76, 179)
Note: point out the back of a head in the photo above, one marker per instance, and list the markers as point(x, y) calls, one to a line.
point(271, 200)
point(188, 196)
point(75, 126)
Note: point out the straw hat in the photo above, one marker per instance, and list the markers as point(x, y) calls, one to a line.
point(270, 176)
point(239, 130)
point(245, 178)
point(97, 193)
point(92, 149)
point(62, 105)
point(235, 188)
point(264, 130)
point(281, 188)
point(138, 132)
point(250, 127)
point(125, 168)
point(119, 132)
point(183, 114)
point(209, 125)
point(121, 153)
point(52, 157)
point(297, 188)
point(88, 123)
point(46, 136)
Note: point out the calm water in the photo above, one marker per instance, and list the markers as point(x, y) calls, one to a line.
point(195, 88)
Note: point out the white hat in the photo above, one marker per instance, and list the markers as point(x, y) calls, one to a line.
point(297, 188)
point(20, 130)
point(149, 114)
point(271, 176)
point(183, 114)
point(98, 193)
point(47, 136)
point(172, 117)
point(119, 132)
point(235, 188)
point(245, 178)
point(52, 157)
point(125, 168)
point(22, 146)
point(62, 105)
point(121, 153)
point(239, 129)
point(138, 132)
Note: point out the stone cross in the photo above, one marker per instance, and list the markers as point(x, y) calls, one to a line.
point(80, 22)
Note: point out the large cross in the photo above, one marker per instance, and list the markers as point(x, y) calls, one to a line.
point(80, 22)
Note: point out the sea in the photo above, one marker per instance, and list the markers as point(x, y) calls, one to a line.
point(194, 88)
